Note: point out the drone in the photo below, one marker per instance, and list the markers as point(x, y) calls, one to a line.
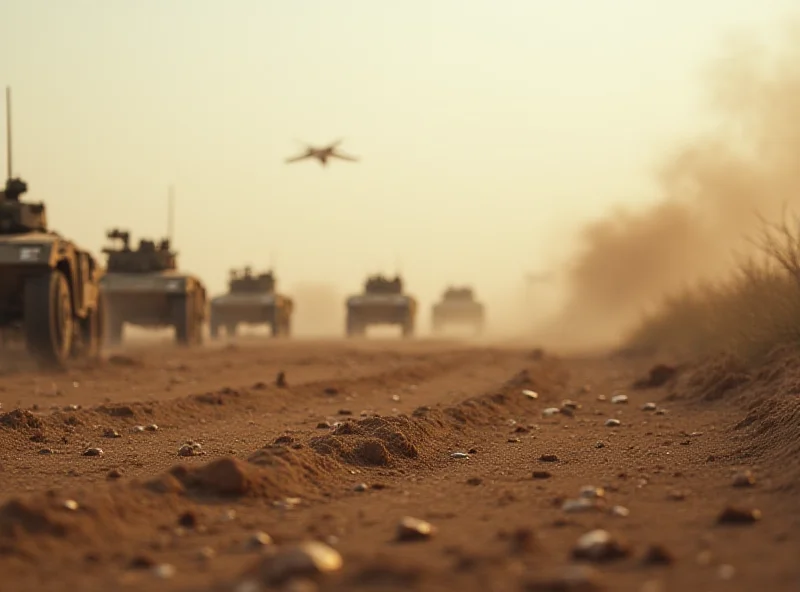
point(322, 154)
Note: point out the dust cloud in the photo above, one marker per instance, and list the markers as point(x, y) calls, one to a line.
point(712, 191)
point(320, 310)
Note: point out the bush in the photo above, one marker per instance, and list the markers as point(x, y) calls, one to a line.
point(753, 312)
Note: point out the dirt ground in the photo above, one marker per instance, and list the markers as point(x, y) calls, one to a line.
point(365, 433)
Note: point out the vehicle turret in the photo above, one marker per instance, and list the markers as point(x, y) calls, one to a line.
point(459, 294)
point(16, 216)
point(148, 257)
point(379, 284)
point(243, 281)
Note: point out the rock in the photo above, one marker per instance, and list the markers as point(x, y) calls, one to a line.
point(649, 407)
point(613, 423)
point(548, 458)
point(190, 449)
point(619, 399)
point(413, 529)
point(305, 560)
point(361, 487)
point(735, 515)
point(574, 578)
point(151, 428)
point(111, 433)
point(592, 492)
point(657, 555)
point(459, 455)
point(551, 411)
point(744, 479)
point(599, 545)
point(570, 404)
point(114, 474)
point(474, 481)
point(164, 571)
point(620, 511)
point(530, 394)
point(259, 540)
point(581, 504)
point(93, 452)
point(542, 474)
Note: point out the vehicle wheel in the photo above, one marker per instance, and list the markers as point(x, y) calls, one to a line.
point(213, 329)
point(92, 332)
point(182, 320)
point(48, 320)
point(230, 330)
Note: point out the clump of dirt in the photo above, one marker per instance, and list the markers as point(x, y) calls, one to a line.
point(373, 441)
point(21, 420)
point(711, 381)
point(270, 473)
point(658, 376)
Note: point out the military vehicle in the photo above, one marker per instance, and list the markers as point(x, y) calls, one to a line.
point(458, 306)
point(382, 303)
point(251, 300)
point(143, 287)
point(49, 286)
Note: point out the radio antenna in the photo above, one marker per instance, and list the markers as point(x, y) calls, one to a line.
point(9, 159)
point(171, 214)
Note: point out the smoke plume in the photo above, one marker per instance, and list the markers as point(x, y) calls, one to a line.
point(713, 190)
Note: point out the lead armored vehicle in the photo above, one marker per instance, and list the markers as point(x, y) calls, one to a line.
point(49, 286)
point(144, 287)
point(458, 306)
point(382, 303)
point(251, 300)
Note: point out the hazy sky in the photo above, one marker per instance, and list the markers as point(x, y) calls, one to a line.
point(488, 129)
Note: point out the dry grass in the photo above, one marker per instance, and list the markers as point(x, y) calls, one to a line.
point(752, 313)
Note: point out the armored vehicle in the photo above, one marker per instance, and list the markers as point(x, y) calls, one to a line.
point(458, 307)
point(251, 300)
point(49, 287)
point(382, 303)
point(143, 287)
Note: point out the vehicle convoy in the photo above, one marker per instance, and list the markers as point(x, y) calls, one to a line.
point(458, 306)
point(49, 286)
point(144, 287)
point(251, 300)
point(382, 302)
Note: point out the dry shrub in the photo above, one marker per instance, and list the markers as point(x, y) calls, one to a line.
point(749, 315)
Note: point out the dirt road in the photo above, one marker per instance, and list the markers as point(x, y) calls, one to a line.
point(361, 435)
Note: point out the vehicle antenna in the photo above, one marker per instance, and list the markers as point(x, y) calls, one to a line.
point(9, 161)
point(171, 214)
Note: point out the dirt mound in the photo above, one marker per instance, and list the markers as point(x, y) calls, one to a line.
point(374, 441)
point(658, 376)
point(712, 380)
point(21, 420)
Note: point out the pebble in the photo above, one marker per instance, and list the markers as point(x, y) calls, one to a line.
point(613, 423)
point(657, 555)
point(114, 474)
point(661, 411)
point(570, 404)
point(459, 455)
point(259, 540)
point(581, 504)
point(599, 545)
point(619, 399)
point(206, 553)
point(413, 529)
point(551, 411)
point(71, 504)
point(649, 407)
point(93, 452)
point(164, 571)
point(592, 492)
point(599, 444)
point(620, 511)
point(530, 394)
point(190, 449)
point(734, 515)
point(744, 479)
point(306, 559)
point(542, 474)
point(138, 429)
point(548, 458)
point(361, 487)
point(111, 433)
point(151, 428)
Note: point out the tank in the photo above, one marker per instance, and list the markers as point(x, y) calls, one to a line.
point(251, 300)
point(383, 302)
point(49, 286)
point(143, 287)
point(458, 306)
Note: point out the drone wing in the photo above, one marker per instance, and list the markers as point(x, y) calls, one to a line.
point(344, 156)
point(296, 158)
